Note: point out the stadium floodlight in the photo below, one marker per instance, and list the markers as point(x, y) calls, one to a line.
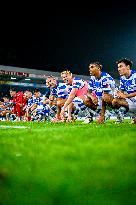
point(13, 78)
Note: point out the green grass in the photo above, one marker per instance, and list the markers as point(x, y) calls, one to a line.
point(68, 164)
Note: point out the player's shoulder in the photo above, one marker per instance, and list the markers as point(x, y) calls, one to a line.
point(122, 78)
point(19, 93)
point(105, 74)
point(133, 72)
point(76, 78)
point(92, 78)
point(62, 84)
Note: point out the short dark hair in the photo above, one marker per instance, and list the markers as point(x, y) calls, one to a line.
point(37, 90)
point(97, 63)
point(29, 90)
point(126, 61)
point(13, 89)
point(1, 100)
point(51, 76)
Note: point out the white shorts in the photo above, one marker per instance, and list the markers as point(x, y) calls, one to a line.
point(99, 103)
point(132, 104)
point(79, 104)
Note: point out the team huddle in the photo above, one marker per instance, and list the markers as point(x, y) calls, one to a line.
point(74, 95)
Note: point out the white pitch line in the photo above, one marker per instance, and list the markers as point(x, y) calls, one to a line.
point(13, 127)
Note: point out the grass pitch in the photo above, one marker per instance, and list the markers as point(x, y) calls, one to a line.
point(67, 164)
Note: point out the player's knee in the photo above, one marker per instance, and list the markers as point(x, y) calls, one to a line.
point(107, 98)
point(59, 104)
point(115, 102)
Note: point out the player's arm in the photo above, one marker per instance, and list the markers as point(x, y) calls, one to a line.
point(91, 94)
point(102, 113)
point(70, 97)
point(52, 100)
point(46, 101)
point(121, 94)
point(3, 106)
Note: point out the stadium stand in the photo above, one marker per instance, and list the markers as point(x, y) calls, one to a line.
point(24, 77)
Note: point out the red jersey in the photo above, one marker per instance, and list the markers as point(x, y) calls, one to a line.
point(20, 102)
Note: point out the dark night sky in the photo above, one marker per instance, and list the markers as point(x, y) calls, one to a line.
point(69, 38)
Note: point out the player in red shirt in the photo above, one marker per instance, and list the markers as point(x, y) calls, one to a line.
point(19, 102)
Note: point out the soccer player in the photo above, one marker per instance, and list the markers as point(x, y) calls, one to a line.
point(58, 95)
point(126, 95)
point(2, 108)
point(103, 85)
point(29, 106)
point(77, 88)
point(19, 102)
point(7, 108)
point(40, 111)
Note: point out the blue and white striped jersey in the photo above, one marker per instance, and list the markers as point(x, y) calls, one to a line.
point(76, 83)
point(30, 101)
point(128, 84)
point(79, 104)
point(7, 104)
point(104, 84)
point(60, 91)
point(38, 100)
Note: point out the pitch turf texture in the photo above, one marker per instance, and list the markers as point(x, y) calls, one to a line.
point(67, 164)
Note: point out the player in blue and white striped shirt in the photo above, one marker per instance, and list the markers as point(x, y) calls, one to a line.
point(126, 95)
point(77, 88)
point(41, 110)
point(58, 94)
point(103, 85)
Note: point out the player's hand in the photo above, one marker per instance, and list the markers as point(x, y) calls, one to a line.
point(62, 111)
point(121, 95)
point(94, 100)
point(101, 119)
point(12, 104)
point(69, 119)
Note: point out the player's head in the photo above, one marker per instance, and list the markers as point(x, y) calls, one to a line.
point(51, 82)
point(1, 101)
point(28, 93)
point(13, 92)
point(124, 66)
point(94, 67)
point(37, 93)
point(66, 76)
